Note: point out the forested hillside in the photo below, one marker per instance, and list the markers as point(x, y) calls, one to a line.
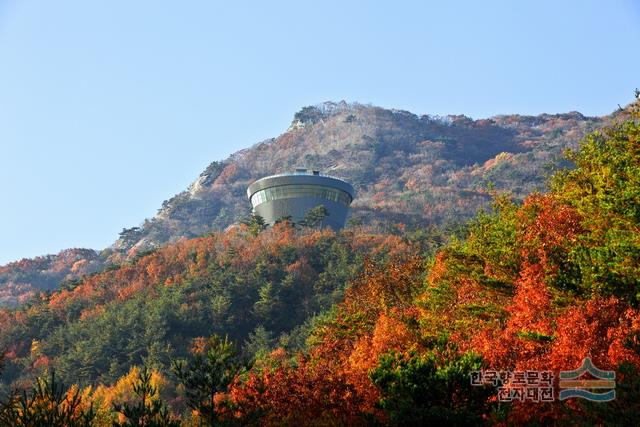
point(245, 282)
point(358, 328)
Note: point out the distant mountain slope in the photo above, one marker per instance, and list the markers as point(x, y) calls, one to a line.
point(405, 168)
point(19, 280)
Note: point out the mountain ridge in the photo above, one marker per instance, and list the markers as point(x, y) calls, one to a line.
point(328, 136)
point(406, 168)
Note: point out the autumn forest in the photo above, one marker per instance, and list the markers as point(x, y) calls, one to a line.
point(378, 324)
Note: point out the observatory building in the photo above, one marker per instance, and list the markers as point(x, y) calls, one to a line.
point(294, 194)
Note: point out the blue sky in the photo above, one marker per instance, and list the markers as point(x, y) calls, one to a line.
point(107, 108)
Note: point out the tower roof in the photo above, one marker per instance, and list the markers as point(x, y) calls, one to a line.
point(302, 177)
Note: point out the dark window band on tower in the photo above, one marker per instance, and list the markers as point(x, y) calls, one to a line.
point(294, 191)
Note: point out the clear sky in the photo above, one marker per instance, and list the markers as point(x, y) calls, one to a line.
point(107, 108)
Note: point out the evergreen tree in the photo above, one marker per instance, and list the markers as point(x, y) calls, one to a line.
point(210, 371)
point(419, 390)
point(315, 217)
point(48, 403)
point(255, 223)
